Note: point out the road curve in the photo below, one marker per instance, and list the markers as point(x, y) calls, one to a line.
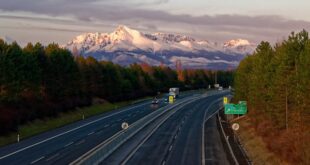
point(179, 139)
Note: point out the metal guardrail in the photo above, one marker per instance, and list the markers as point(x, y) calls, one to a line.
point(103, 150)
point(227, 142)
point(243, 150)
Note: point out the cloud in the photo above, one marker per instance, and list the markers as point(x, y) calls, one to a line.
point(127, 12)
point(110, 10)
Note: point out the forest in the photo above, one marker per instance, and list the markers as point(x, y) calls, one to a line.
point(39, 81)
point(275, 81)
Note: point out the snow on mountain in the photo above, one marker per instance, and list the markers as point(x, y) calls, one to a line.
point(239, 46)
point(126, 46)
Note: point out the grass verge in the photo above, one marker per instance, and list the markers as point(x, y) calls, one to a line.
point(255, 146)
point(42, 125)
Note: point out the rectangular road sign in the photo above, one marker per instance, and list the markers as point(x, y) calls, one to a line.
point(225, 100)
point(238, 109)
point(171, 99)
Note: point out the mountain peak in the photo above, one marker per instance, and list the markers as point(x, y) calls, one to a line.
point(123, 32)
point(123, 28)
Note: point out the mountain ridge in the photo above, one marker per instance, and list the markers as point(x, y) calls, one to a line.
point(126, 46)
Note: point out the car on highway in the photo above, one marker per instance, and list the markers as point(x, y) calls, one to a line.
point(155, 101)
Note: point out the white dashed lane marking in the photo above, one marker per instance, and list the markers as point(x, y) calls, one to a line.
point(35, 161)
point(68, 144)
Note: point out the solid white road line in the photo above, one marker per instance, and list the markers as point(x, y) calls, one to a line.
point(35, 161)
point(76, 128)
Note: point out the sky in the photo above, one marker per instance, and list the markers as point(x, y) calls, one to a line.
point(59, 21)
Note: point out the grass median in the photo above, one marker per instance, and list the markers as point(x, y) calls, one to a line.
point(42, 125)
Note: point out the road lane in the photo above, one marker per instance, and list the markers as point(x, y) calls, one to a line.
point(178, 140)
point(63, 145)
point(37, 147)
point(214, 148)
point(118, 156)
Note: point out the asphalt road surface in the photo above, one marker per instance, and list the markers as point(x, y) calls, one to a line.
point(179, 139)
point(66, 144)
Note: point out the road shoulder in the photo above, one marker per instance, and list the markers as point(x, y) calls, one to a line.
point(234, 148)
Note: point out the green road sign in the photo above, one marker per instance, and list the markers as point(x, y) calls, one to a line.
point(237, 109)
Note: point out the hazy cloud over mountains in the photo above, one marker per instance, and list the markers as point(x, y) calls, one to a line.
point(137, 13)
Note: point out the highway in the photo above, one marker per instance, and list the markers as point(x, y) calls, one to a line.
point(64, 145)
point(178, 140)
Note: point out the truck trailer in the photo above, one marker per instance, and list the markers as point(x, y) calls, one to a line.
point(174, 92)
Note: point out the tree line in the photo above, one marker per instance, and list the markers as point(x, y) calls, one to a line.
point(39, 81)
point(276, 83)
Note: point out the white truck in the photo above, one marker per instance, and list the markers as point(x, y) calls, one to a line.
point(174, 92)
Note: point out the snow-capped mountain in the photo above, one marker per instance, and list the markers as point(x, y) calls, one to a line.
point(126, 46)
